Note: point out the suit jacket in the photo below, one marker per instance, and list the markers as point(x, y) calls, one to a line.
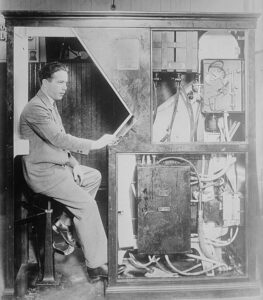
point(49, 144)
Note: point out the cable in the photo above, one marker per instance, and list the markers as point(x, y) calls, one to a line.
point(189, 110)
point(220, 173)
point(139, 265)
point(155, 104)
point(201, 236)
point(212, 261)
point(220, 243)
point(167, 137)
point(184, 273)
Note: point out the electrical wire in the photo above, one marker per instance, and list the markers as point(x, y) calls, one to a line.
point(217, 184)
point(220, 243)
point(189, 110)
point(212, 261)
point(221, 172)
point(155, 104)
point(140, 265)
point(201, 236)
point(197, 115)
point(187, 273)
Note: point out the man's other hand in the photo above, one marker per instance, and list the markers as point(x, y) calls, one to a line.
point(78, 174)
point(105, 140)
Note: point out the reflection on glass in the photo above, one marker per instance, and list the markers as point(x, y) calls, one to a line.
point(181, 215)
point(197, 86)
point(177, 108)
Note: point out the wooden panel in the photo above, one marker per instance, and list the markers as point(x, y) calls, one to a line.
point(2, 132)
point(151, 5)
point(33, 81)
point(124, 5)
point(20, 82)
point(5, 5)
point(9, 171)
point(133, 5)
point(82, 5)
point(130, 81)
point(101, 19)
point(127, 5)
point(101, 5)
point(16, 4)
point(217, 6)
point(42, 4)
point(136, 5)
point(165, 5)
point(50, 5)
point(177, 5)
point(253, 210)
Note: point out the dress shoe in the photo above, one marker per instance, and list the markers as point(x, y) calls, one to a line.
point(64, 232)
point(102, 272)
point(96, 274)
point(63, 248)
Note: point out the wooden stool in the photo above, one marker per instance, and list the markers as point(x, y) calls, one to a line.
point(38, 206)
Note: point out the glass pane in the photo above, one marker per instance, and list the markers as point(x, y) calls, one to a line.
point(198, 86)
point(181, 215)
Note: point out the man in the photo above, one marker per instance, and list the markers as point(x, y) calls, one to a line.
point(50, 168)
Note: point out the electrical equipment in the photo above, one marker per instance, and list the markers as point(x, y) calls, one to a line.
point(163, 209)
point(189, 212)
point(175, 50)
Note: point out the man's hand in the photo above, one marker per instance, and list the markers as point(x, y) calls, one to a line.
point(78, 174)
point(106, 139)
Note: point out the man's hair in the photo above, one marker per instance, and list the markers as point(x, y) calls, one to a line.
point(49, 69)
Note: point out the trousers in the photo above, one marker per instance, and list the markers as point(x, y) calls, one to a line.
point(80, 201)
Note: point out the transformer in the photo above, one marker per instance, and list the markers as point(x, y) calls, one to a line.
point(164, 212)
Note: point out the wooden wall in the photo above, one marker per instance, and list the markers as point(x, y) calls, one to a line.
point(259, 102)
point(3, 113)
point(2, 129)
point(132, 5)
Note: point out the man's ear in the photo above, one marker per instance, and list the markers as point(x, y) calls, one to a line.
point(44, 82)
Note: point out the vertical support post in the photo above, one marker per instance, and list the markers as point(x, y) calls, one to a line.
point(112, 208)
point(48, 270)
point(252, 214)
point(9, 176)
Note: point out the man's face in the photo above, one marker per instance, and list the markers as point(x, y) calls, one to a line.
point(56, 86)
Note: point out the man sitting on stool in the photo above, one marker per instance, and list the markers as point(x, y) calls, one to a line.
point(50, 169)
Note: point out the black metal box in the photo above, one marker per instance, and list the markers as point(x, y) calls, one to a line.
point(164, 213)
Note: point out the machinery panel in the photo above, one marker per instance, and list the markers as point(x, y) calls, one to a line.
point(164, 213)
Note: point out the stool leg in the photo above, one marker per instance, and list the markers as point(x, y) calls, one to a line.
point(49, 269)
point(35, 229)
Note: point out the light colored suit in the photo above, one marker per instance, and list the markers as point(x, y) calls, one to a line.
point(47, 170)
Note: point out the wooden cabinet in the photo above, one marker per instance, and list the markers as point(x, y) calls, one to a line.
point(186, 84)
